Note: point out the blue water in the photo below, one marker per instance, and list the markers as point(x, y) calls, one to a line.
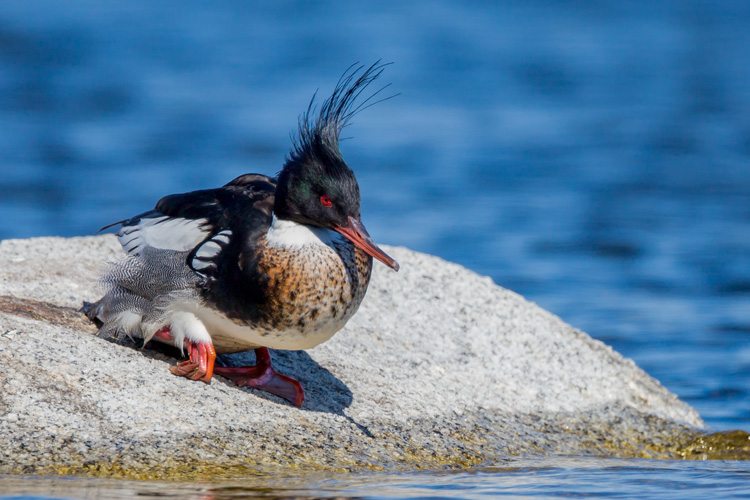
point(592, 156)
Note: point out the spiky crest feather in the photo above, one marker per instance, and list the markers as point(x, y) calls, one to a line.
point(318, 136)
point(314, 165)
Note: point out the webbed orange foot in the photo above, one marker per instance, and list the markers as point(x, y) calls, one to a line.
point(263, 377)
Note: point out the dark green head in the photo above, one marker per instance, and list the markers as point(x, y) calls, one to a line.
point(316, 187)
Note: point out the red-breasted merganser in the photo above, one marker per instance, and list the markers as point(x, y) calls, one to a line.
point(258, 263)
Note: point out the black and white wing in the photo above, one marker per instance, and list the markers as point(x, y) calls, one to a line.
point(203, 223)
point(155, 229)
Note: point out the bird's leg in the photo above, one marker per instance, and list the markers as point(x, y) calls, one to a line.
point(202, 356)
point(165, 335)
point(262, 376)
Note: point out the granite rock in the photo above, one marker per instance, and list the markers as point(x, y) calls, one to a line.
point(439, 368)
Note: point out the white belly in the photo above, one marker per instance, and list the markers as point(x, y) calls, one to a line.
point(228, 336)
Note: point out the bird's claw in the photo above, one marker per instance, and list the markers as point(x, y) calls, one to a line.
point(202, 356)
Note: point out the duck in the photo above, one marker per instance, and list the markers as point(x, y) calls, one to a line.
point(260, 263)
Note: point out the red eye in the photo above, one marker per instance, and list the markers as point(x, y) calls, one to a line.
point(326, 201)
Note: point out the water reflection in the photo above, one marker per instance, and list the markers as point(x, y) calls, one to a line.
point(533, 478)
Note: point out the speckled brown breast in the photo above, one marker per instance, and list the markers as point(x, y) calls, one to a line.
point(312, 292)
point(315, 285)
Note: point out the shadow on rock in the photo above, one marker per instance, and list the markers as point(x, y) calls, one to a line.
point(324, 392)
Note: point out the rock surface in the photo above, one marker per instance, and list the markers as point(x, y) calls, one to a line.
point(440, 367)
